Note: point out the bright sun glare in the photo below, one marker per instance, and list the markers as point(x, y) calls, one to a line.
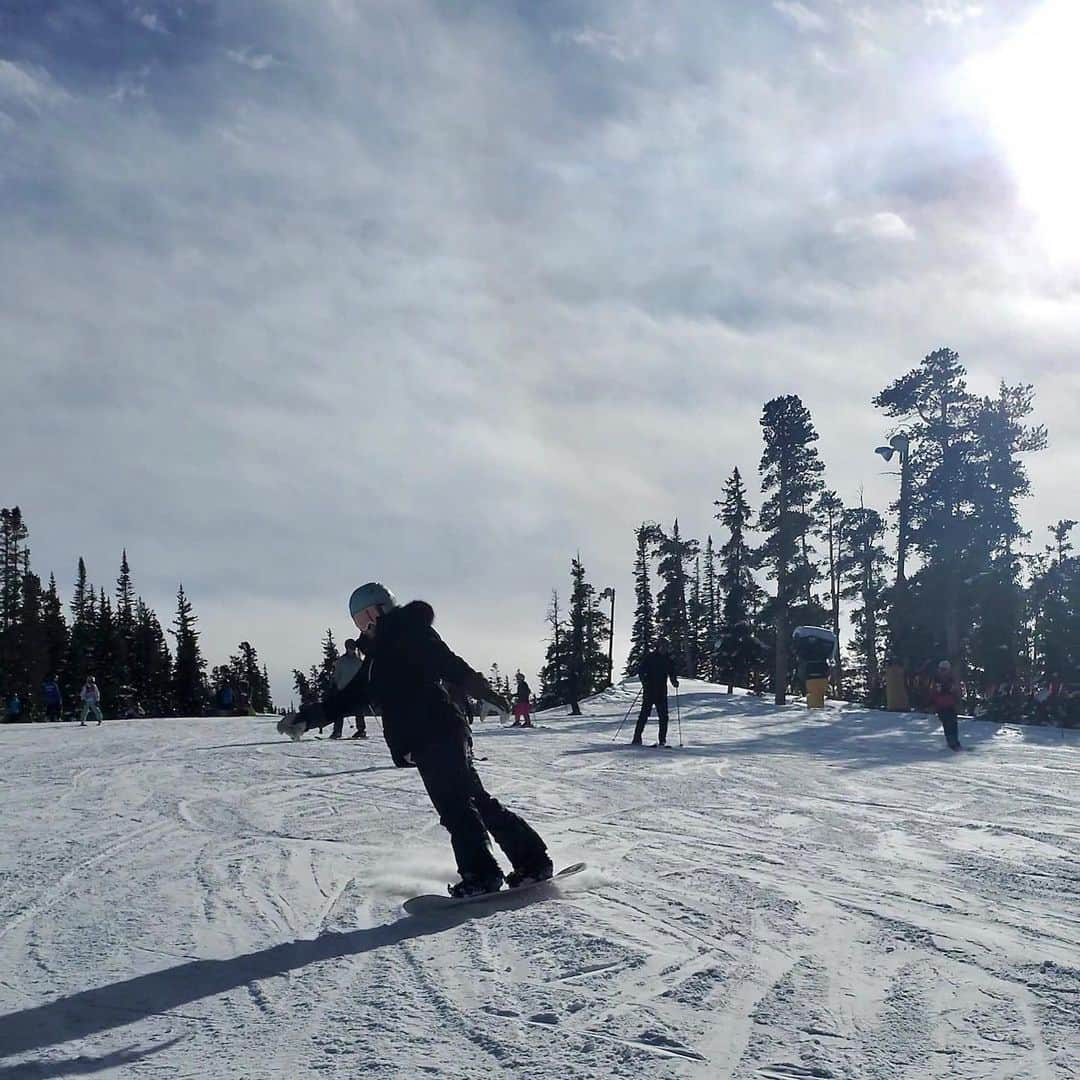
point(1029, 88)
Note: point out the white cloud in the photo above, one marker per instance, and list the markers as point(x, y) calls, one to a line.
point(248, 58)
point(28, 86)
point(803, 17)
point(883, 225)
point(951, 12)
point(149, 21)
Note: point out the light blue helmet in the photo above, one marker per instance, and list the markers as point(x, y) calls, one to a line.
point(370, 595)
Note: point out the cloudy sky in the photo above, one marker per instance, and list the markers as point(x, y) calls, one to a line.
point(298, 293)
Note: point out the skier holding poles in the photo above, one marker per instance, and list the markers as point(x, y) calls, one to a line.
point(655, 669)
point(405, 666)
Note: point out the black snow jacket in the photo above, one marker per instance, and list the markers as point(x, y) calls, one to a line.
point(403, 674)
point(654, 671)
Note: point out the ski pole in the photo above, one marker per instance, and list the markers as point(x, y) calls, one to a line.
point(628, 712)
point(678, 714)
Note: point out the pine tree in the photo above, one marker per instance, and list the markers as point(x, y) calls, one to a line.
point(643, 631)
point(829, 510)
point(79, 596)
point(80, 657)
point(125, 615)
point(188, 683)
point(151, 664)
point(860, 572)
point(56, 631)
point(13, 557)
point(109, 661)
point(695, 624)
point(31, 644)
point(711, 626)
point(671, 615)
point(790, 475)
point(739, 650)
point(554, 673)
point(306, 691)
point(586, 660)
point(325, 676)
point(997, 605)
point(1055, 605)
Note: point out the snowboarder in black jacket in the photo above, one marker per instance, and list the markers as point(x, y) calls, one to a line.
point(404, 672)
point(655, 669)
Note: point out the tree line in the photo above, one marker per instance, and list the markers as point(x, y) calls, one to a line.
point(116, 638)
point(965, 583)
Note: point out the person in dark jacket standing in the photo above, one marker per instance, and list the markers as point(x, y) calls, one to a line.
point(655, 669)
point(405, 670)
point(945, 699)
point(54, 699)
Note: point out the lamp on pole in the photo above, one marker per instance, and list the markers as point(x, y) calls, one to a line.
point(609, 594)
point(900, 444)
point(896, 696)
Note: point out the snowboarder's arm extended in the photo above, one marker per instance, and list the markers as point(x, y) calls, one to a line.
point(450, 667)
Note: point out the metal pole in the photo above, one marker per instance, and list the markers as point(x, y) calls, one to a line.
point(901, 540)
point(611, 643)
point(628, 712)
point(678, 714)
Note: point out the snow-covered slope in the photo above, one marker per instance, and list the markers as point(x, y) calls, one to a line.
point(791, 895)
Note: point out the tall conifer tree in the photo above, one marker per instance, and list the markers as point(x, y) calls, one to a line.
point(643, 630)
point(791, 478)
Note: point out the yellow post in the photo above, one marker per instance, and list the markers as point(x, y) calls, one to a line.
point(815, 693)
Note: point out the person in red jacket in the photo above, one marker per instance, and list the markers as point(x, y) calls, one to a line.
point(945, 699)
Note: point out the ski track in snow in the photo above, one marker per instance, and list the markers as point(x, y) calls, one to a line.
point(791, 895)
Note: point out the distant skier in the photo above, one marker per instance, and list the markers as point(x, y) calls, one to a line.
point(54, 699)
point(403, 672)
point(655, 669)
point(945, 699)
point(91, 699)
point(346, 668)
point(522, 694)
point(14, 709)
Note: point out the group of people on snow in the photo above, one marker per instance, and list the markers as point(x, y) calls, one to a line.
point(53, 700)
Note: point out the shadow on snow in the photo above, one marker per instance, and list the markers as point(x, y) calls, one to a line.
point(103, 1008)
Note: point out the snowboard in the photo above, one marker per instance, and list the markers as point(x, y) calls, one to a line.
point(431, 903)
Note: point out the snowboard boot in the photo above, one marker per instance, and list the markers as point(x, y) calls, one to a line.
point(540, 871)
point(475, 886)
point(359, 735)
point(635, 742)
point(290, 724)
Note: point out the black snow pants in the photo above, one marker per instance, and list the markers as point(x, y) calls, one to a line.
point(950, 727)
point(469, 813)
point(658, 697)
point(339, 723)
